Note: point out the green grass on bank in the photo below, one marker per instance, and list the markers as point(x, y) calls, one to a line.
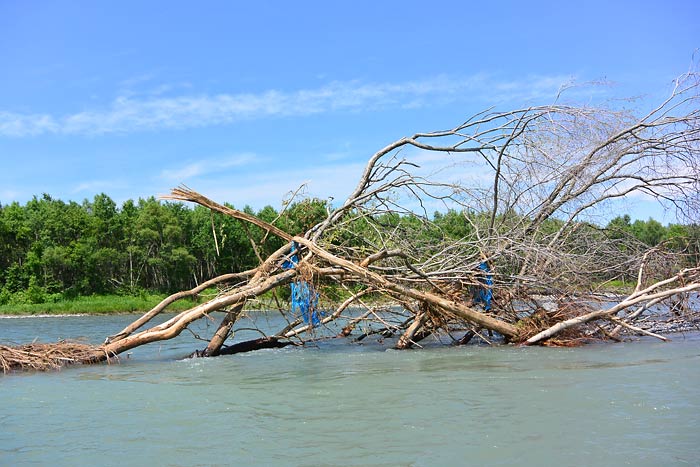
point(21, 302)
point(616, 286)
point(106, 304)
point(95, 304)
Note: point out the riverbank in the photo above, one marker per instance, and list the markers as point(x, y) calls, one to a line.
point(121, 304)
point(95, 305)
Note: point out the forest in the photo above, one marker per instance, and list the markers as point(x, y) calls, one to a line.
point(54, 250)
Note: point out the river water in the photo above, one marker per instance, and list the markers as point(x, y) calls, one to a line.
point(339, 404)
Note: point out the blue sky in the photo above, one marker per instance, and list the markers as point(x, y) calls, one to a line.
point(245, 102)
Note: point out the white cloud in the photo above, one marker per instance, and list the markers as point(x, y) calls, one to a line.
point(273, 186)
point(9, 195)
point(12, 124)
point(128, 113)
point(99, 186)
point(208, 166)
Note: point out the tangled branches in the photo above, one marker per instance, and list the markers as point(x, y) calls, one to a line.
point(514, 193)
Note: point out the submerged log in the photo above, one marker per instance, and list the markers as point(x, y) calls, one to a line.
point(466, 338)
point(271, 342)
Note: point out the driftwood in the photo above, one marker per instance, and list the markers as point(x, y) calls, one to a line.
point(522, 236)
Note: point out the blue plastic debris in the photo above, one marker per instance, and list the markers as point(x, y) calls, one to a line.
point(304, 302)
point(304, 298)
point(484, 293)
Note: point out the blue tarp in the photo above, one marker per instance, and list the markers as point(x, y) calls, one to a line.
point(304, 297)
point(485, 292)
point(304, 302)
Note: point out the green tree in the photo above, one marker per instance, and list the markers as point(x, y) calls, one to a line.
point(620, 226)
point(650, 232)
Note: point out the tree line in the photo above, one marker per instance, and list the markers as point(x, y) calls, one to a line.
point(52, 250)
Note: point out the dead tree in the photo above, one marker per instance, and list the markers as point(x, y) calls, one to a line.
point(526, 183)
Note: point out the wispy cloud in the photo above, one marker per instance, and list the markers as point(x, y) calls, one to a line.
point(207, 166)
point(273, 186)
point(128, 113)
point(9, 195)
point(13, 124)
point(98, 185)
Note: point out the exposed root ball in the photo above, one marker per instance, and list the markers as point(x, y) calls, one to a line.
point(43, 357)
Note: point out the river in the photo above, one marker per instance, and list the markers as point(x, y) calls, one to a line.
point(339, 404)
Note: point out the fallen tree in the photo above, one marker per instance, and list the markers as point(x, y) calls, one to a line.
point(523, 186)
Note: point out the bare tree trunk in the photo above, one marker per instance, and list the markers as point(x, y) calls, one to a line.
point(171, 299)
point(406, 339)
point(223, 332)
point(176, 325)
